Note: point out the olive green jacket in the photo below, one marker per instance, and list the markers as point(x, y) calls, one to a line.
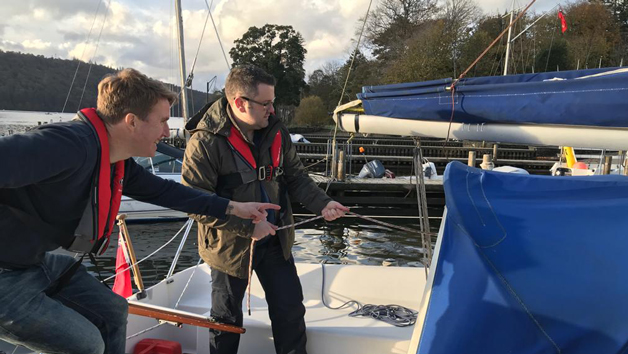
point(225, 244)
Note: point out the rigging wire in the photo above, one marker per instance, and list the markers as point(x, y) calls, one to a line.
point(452, 87)
point(549, 52)
point(81, 57)
point(188, 82)
point(355, 54)
point(91, 61)
point(218, 36)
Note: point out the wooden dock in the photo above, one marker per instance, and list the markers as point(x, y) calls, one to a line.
point(380, 196)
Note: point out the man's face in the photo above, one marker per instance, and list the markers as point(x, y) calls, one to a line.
point(257, 109)
point(150, 131)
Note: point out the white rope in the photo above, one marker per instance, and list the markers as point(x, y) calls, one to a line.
point(176, 305)
point(145, 330)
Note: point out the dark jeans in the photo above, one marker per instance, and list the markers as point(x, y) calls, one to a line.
point(284, 295)
point(84, 317)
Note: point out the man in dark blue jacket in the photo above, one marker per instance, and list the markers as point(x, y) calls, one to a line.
point(60, 186)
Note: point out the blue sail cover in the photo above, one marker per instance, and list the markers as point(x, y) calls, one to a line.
point(530, 264)
point(565, 97)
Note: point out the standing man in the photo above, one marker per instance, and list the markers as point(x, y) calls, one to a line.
point(60, 186)
point(240, 150)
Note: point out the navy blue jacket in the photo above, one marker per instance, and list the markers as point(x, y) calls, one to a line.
point(47, 173)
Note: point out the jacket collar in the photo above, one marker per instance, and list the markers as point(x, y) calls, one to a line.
point(215, 118)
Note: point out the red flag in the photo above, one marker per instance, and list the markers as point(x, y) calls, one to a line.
point(122, 285)
point(563, 22)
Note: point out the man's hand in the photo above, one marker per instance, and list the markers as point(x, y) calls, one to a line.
point(262, 229)
point(334, 210)
point(255, 211)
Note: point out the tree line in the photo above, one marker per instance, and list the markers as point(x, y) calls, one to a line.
point(403, 41)
point(36, 83)
point(420, 40)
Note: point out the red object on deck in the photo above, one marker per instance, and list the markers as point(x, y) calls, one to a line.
point(122, 285)
point(157, 346)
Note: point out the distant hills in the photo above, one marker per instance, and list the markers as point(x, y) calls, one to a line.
point(35, 83)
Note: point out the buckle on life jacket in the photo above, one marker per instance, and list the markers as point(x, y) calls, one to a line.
point(268, 172)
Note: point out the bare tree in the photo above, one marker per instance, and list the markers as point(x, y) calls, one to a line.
point(393, 22)
point(459, 15)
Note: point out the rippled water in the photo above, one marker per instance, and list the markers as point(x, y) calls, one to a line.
point(344, 241)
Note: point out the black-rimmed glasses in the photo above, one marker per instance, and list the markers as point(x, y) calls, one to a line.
point(265, 105)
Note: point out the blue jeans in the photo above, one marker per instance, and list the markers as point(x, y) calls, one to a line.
point(84, 317)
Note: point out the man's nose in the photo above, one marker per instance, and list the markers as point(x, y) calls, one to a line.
point(166, 132)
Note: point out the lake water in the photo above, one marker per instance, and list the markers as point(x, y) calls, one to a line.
point(344, 241)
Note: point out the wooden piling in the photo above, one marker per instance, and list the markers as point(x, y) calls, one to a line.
point(341, 165)
point(608, 160)
point(495, 147)
point(471, 161)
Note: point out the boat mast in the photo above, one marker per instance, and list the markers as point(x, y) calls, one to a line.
point(184, 93)
point(512, 12)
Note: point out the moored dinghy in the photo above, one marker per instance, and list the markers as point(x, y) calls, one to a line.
point(584, 108)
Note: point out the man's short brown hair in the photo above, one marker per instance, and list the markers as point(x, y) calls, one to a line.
point(129, 91)
point(244, 80)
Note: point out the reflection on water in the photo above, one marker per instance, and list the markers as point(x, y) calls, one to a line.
point(344, 241)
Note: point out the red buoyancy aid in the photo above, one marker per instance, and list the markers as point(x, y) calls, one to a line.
point(246, 164)
point(242, 147)
point(92, 234)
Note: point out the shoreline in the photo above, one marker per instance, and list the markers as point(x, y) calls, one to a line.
point(10, 129)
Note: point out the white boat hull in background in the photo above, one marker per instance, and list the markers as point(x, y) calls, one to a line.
point(553, 135)
point(136, 210)
point(328, 331)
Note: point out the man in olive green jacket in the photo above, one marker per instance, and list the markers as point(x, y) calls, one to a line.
point(241, 150)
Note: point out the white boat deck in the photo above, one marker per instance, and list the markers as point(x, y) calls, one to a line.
point(329, 331)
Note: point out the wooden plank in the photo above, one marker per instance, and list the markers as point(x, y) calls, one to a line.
point(180, 317)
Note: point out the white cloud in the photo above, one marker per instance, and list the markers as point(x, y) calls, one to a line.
point(140, 33)
point(35, 44)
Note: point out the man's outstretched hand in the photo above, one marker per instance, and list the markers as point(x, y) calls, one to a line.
point(334, 210)
point(255, 211)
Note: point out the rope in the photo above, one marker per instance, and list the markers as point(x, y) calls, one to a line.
point(176, 305)
point(145, 330)
point(396, 315)
point(248, 285)
point(492, 44)
point(383, 223)
point(316, 163)
point(152, 254)
point(355, 53)
point(464, 73)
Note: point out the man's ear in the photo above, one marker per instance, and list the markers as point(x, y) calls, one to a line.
point(238, 104)
point(130, 120)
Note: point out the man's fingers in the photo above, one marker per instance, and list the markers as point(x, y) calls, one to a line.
point(271, 206)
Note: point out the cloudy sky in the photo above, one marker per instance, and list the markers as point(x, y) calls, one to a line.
point(141, 33)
